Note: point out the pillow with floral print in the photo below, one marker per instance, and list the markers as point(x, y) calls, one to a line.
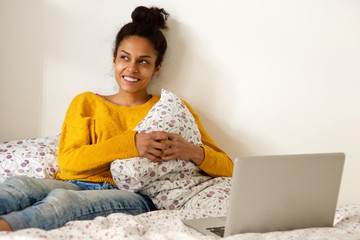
point(36, 157)
point(171, 115)
point(175, 184)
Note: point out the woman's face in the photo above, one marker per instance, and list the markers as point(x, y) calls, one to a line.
point(135, 64)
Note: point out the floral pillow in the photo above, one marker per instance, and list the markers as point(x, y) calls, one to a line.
point(176, 184)
point(35, 157)
point(170, 115)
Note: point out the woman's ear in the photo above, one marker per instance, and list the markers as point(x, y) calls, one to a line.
point(157, 69)
point(114, 62)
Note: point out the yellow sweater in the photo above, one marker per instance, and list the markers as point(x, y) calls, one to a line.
point(96, 132)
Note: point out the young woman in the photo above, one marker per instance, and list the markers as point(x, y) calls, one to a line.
point(99, 129)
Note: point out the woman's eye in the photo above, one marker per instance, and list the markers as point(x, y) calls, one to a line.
point(143, 61)
point(124, 57)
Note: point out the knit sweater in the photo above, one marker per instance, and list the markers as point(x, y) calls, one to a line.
point(95, 132)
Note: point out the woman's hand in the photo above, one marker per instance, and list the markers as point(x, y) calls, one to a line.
point(178, 148)
point(150, 145)
point(161, 146)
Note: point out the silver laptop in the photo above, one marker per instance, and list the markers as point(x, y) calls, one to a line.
point(277, 193)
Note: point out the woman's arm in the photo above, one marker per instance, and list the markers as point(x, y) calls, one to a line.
point(216, 162)
point(81, 152)
point(79, 158)
point(208, 157)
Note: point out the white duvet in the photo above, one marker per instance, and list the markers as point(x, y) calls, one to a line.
point(167, 224)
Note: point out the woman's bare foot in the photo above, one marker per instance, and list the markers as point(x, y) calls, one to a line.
point(4, 226)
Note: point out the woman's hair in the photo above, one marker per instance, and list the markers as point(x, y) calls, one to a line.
point(146, 23)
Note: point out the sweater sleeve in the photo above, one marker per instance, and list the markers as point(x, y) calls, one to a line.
point(216, 162)
point(80, 155)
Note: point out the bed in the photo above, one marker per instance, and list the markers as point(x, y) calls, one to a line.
point(38, 157)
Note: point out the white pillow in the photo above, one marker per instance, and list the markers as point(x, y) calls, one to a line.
point(31, 157)
point(175, 184)
point(169, 115)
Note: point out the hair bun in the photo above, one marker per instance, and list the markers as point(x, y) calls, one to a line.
point(153, 17)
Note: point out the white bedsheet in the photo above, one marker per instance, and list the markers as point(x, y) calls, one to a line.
point(33, 157)
point(167, 224)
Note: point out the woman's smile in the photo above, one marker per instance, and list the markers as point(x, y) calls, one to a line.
point(135, 65)
point(130, 79)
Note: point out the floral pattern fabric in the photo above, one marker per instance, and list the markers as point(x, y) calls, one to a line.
point(35, 157)
point(168, 225)
point(176, 184)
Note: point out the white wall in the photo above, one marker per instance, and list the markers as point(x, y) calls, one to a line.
point(266, 77)
point(21, 68)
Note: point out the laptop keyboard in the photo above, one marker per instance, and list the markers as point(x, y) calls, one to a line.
point(217, 230)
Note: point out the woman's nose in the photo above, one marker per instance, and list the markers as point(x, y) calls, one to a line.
point(133, 66)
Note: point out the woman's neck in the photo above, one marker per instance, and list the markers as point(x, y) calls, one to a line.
point(131, 99)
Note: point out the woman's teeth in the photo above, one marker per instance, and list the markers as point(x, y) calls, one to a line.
point(130, 79)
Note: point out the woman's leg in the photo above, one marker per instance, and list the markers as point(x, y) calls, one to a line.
point(19, 192)
point(62, 206)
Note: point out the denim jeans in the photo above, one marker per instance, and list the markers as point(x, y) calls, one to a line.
point(47, 204)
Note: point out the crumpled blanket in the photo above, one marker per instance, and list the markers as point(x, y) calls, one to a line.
point(168, 225)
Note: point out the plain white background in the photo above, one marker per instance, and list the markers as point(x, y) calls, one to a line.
point(266, 77)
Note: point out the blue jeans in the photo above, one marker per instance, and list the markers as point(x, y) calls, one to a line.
point(47, 204)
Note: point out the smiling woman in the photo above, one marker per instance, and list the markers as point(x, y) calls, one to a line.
point(100, 129)
point(134, 67)
point(138, 52)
